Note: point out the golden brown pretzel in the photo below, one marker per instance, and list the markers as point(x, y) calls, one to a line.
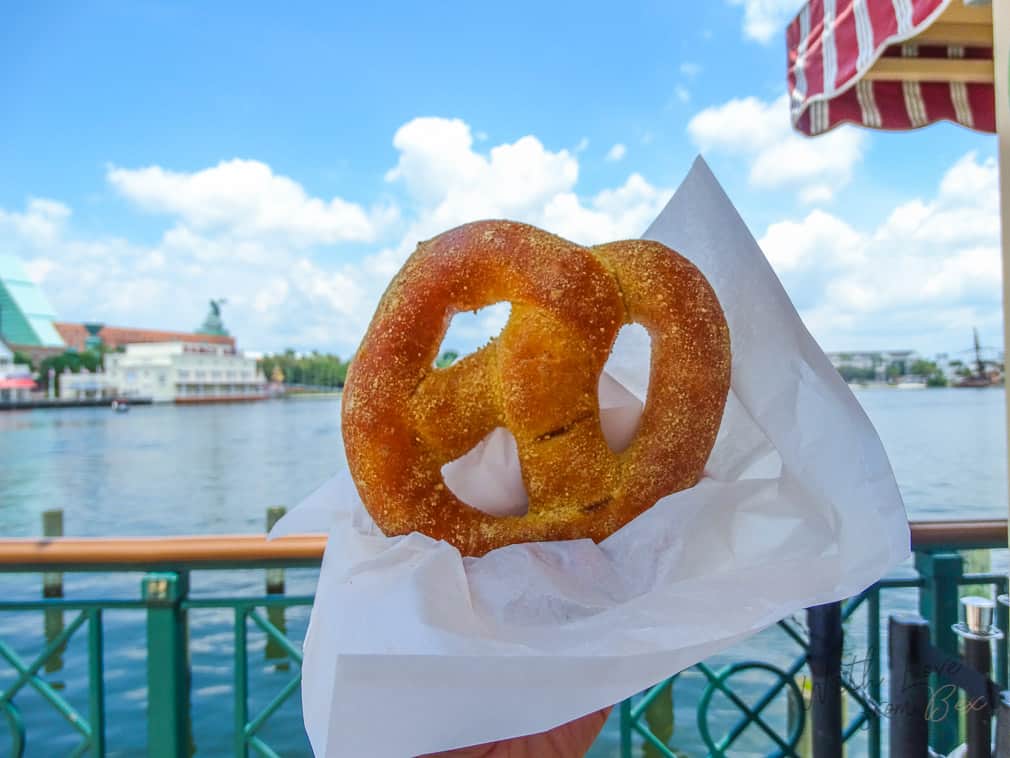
point(403, 419)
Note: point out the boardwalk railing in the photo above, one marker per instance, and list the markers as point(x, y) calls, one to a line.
point(741, 687)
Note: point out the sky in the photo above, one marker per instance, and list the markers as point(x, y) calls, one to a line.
point(155, 155)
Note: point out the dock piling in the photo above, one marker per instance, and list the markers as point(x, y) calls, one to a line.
point(52, 526)
point(275, 576)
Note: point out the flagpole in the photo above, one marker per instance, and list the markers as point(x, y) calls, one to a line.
point(1001, 85)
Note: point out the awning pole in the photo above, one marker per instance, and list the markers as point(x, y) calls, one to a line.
point(1001, 59)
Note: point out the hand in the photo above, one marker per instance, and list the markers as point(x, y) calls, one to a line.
point(570, 740)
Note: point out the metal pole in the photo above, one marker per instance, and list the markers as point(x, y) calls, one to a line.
point(1001, 85)
point(977, 633)
point(978, 720)
point(1003, 726)
point(907, 638)
point(824, 656)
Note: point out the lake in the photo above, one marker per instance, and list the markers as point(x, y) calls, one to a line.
point(162, 470)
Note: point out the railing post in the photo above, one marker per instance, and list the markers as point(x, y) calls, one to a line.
point(824, 656)
point(907, 637)
point(938, 602)
point(168, 675)
point(625, 709)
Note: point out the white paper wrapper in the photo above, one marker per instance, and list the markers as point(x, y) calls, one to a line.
point(413, 649)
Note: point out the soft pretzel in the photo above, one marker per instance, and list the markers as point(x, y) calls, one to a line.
point(403, 419)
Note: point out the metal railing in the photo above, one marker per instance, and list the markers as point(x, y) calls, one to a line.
point(165, 600)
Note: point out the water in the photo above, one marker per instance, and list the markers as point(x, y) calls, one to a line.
point(197, 470)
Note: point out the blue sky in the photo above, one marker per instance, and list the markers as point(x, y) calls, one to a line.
point(155, 155)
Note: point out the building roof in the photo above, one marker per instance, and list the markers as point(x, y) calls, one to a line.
point(26, 317)
point(75, 335)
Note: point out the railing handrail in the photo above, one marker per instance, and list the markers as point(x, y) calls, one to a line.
point(88, 553)
point(233, 549)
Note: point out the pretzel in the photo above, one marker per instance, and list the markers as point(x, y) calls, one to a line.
point(403, 419)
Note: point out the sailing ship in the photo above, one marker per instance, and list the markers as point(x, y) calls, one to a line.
point(983, 376)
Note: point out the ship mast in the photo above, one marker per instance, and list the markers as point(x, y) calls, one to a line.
point(979, 363)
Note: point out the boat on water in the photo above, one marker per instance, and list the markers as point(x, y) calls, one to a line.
point(120, 406)
point(984, 375)
point(911, 383)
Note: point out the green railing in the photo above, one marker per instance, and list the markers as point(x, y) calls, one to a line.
point(165, 602)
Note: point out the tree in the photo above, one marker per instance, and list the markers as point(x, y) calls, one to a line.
point(446, 359)
point(315, 369)
point(23, 359)
point(71, 360)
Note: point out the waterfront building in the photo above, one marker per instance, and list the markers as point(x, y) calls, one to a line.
point(26, 317)
point(16, 381)
point(85, 336)
point(179, 372)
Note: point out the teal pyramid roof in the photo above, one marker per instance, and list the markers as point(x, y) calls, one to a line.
point(26, 316)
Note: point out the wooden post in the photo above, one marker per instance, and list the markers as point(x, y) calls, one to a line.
point(52, 526)
point(1001, 62)
point(275, 576)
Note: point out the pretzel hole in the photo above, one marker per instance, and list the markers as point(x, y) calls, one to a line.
point(624, 386)
point(475, 328)
point(488, 476)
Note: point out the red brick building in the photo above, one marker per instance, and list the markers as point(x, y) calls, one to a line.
point(76, 335)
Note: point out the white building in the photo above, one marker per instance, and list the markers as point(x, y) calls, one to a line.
point(181, 372)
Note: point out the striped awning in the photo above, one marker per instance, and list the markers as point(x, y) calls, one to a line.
point(890, 64)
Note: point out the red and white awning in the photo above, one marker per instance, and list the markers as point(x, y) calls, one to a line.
point(847, 63)
point(16, 383)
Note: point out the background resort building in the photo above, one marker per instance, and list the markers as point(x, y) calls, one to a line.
point(26, 317)
point(181, 372)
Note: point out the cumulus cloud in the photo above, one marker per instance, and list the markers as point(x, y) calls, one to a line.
point(690, 69)
point(40, 222)
point(764, 20)
point(760, 132)
point(247, 199)
point(924, 277)
point(616, 152)
point(299, 270)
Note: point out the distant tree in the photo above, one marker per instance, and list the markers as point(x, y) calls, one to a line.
point(853, 374)
point(446, 359)
point(934, 376)
point(23, 359)
point(315, 369)
point(72, 361)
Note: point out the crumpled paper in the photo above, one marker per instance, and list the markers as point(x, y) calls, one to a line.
point(413, 649)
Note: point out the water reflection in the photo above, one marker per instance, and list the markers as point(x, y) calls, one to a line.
point(53, 627)
point(274, 651)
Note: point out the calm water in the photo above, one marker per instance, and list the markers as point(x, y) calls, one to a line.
point(198, 470)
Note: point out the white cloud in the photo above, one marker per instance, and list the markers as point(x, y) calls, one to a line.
point(683, 93)
point(582, 145)
point(690, 69)
point(247, 199)
point(779, 158)
point(41, 221)
point(764, 20)
point(616, 152)
point(238, 230)
point(922, 278)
